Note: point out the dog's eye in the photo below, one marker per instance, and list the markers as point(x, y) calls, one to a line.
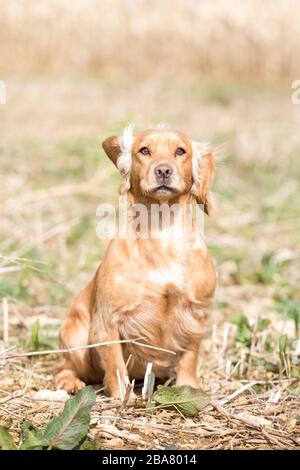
point(180, 151)
point(144, 151)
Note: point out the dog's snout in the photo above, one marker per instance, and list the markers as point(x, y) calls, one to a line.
point(163, 173)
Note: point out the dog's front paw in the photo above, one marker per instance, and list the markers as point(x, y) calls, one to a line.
point(188, 381)
point(68, 382)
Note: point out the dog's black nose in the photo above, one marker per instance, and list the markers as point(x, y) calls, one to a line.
point(163, 173)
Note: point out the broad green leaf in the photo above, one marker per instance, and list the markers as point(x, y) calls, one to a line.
point(6, 440)
point(32, 437)
point(186, 399)
point(72, 425)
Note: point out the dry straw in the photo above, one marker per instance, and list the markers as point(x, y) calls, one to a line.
point(138, 37)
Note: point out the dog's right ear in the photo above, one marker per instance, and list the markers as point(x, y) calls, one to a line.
point(112, 148)
point(118, 149)
point(203, 173)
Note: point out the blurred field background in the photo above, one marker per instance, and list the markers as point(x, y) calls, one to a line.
point(221, 71)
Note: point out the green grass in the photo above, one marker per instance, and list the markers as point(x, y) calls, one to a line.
point(254, 235)
point(60, 266)
point(68, 162)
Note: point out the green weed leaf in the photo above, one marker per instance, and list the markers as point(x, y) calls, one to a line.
point(71, 426)
point(6, 440)
point(282, 344)
point(32, 437)
point(186, 399)
point(35, 330)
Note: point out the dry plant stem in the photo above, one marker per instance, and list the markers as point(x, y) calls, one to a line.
point(65, 190)
point(273, 439)
point(5, 319)
point(128, 391)
point(233, 396)
point(88, 346)
point(238, 392)
point(18, 393)
point(2, 353)
point(249, 423)
point(113, 431)
point(34, 374)
point(252, 347)
point(202, 432)
point(230, 416)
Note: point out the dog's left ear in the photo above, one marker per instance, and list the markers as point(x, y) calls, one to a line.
point(203, 173)
point(112, 148)
point(118, 149)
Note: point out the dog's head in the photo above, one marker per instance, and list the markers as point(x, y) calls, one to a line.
point(162, 165)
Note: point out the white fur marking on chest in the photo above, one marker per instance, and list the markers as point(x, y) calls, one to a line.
point(173, 274)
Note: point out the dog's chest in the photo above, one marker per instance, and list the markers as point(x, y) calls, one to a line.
point(173, 275)
point(171, 268)
point(165, 312)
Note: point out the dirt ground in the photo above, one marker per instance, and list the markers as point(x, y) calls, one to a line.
point(53, 174)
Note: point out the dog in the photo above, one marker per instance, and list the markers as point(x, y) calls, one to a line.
point(158, 289)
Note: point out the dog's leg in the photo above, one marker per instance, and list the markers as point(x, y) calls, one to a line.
point(110, 356)
point(187, 368)
point(73, 369)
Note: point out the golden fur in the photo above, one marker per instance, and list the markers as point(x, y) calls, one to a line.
point(158, 289)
